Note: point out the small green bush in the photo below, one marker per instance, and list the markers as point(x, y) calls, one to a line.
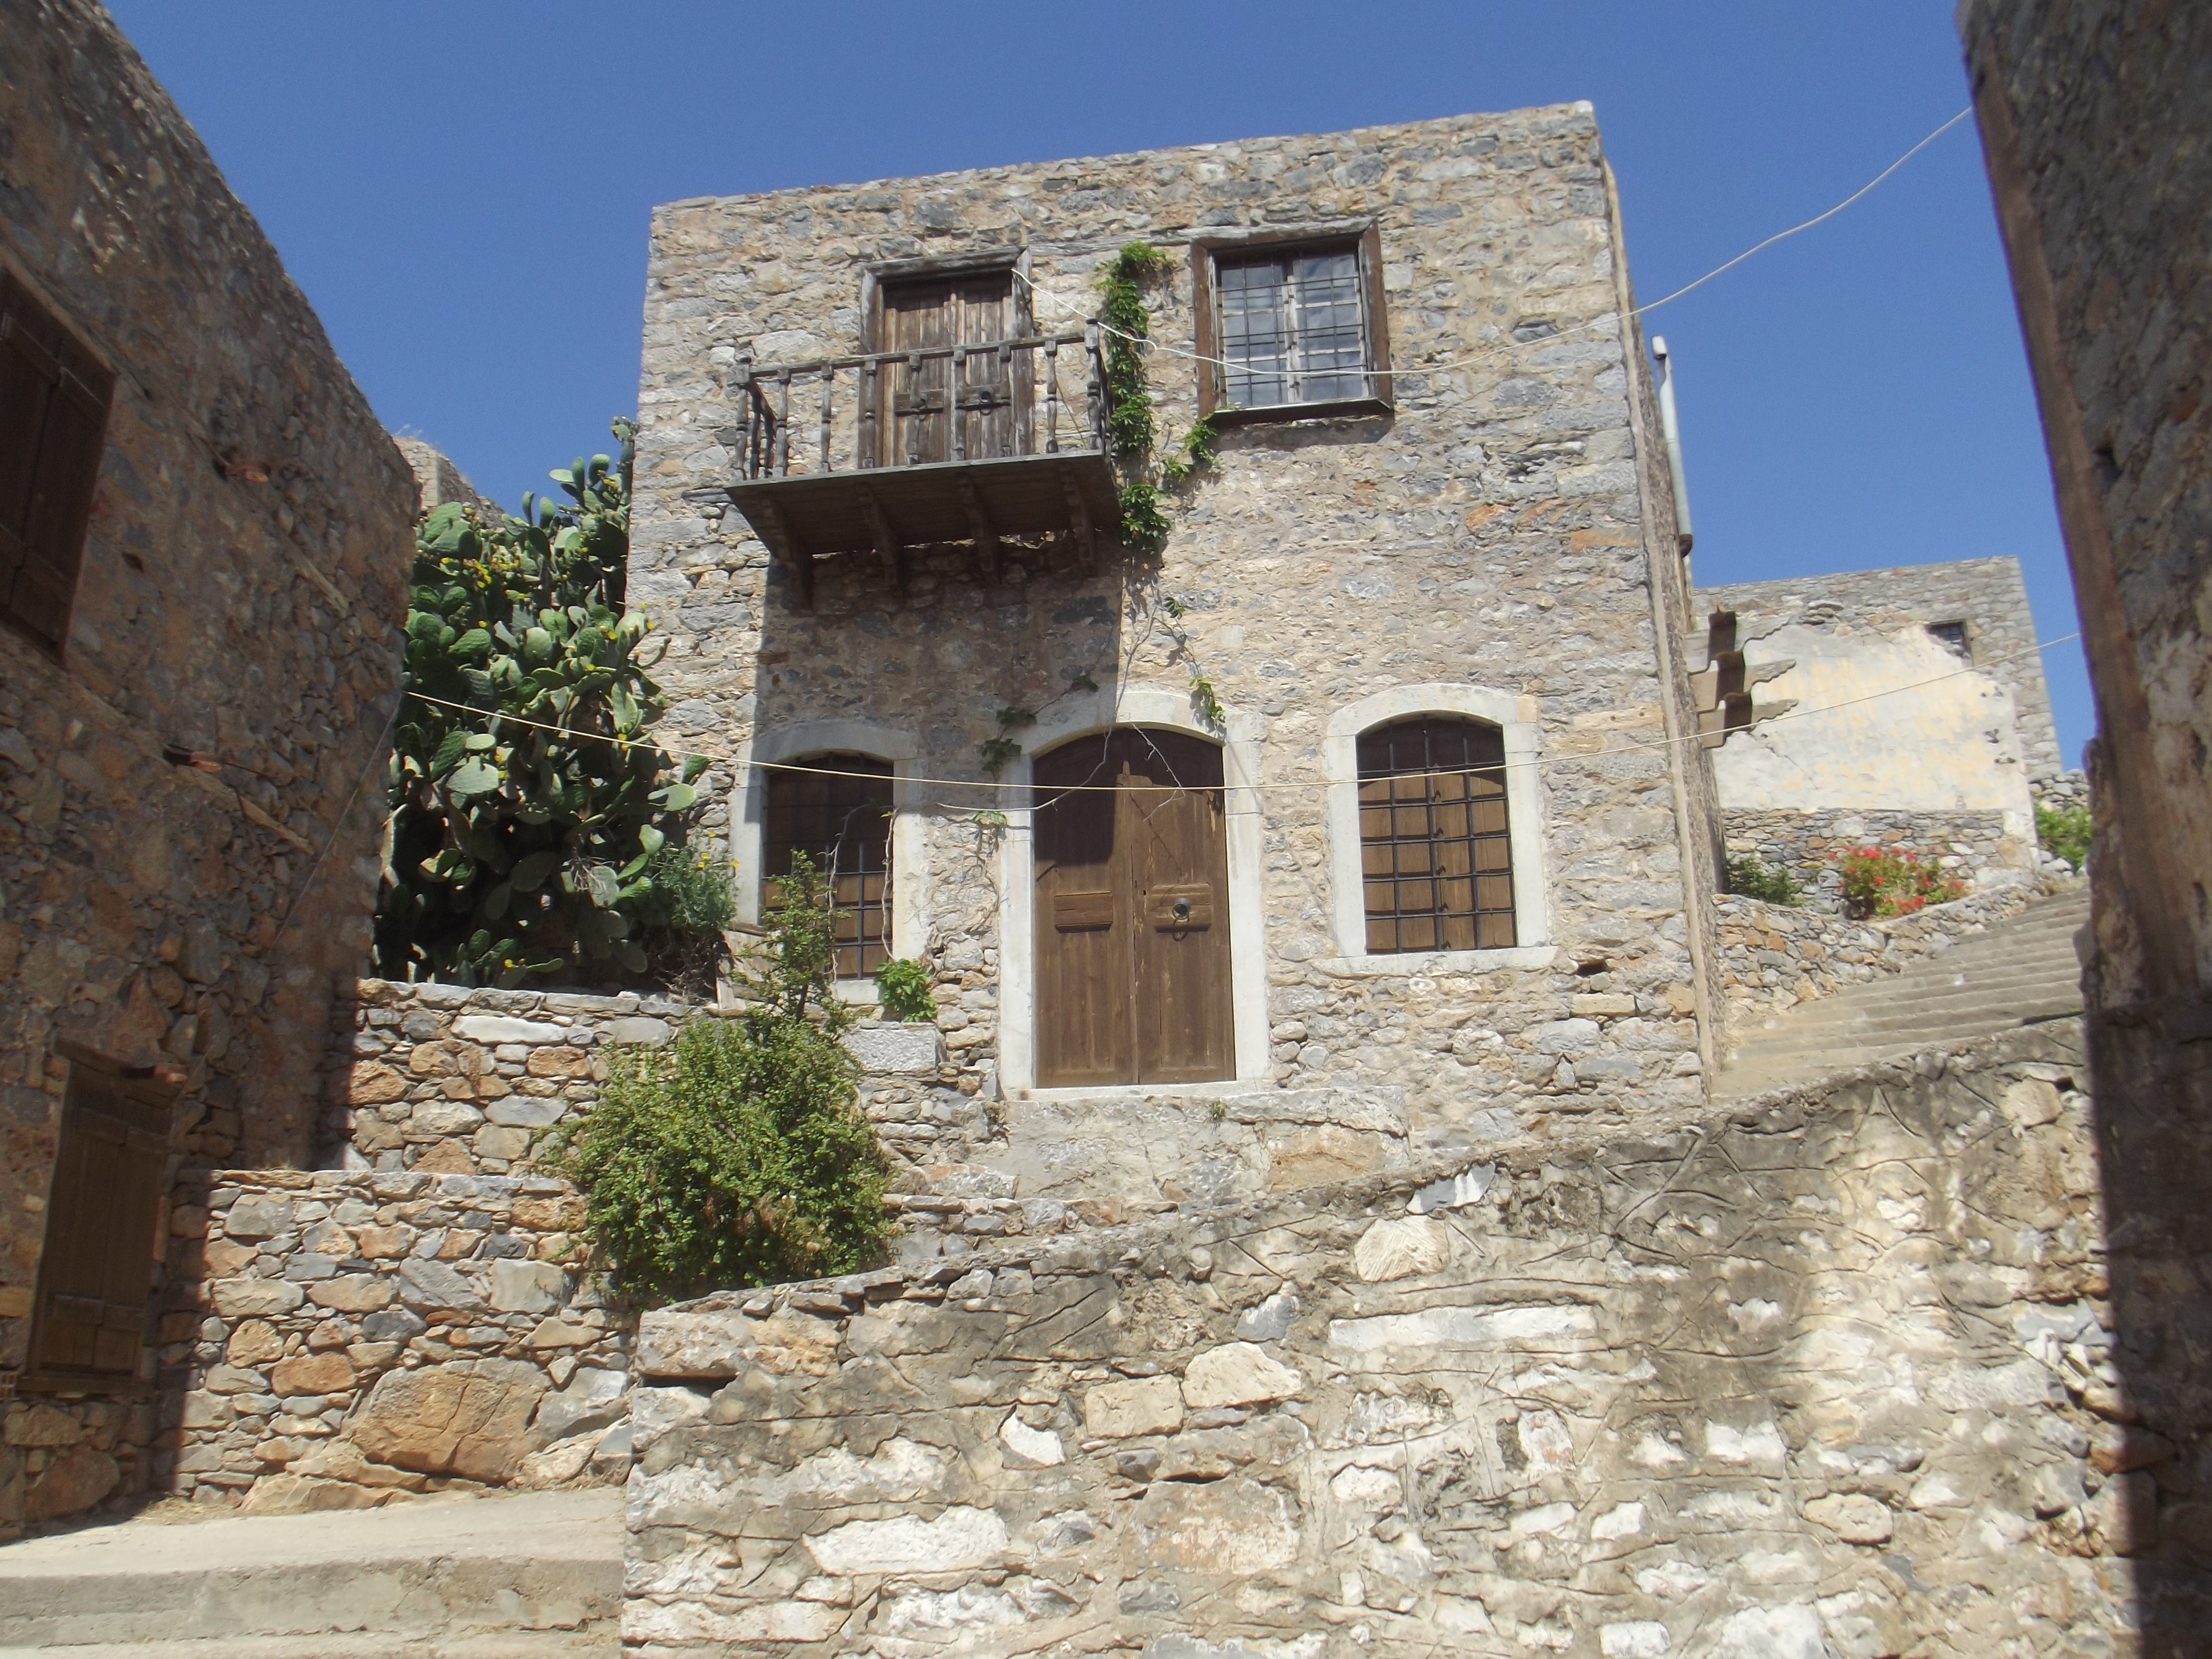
point(737, 1156)
point(903, 986)
point(2064, 830)
point(1770, 883)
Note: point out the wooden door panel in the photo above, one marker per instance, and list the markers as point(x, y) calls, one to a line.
point(988, 394)
point(1133, 921)
point(1084, 983)
point(1180, 849)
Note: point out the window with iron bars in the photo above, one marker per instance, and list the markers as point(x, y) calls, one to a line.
point(843, 823)
point(1435, 850)
point(1293, 326)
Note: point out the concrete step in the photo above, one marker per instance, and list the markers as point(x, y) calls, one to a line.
point(534, 1576)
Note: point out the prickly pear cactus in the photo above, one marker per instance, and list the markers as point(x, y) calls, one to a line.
point(528, 799)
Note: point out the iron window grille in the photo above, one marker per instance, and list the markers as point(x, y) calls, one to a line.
point(1435, 849)
point(843, 823)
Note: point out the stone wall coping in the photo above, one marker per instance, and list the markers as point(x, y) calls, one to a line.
point(2054, 1046)
point(484, 999)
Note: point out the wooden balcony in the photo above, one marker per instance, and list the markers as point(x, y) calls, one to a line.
point(977, 446)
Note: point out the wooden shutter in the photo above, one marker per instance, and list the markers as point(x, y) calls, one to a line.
point(991, 401)
point(97, 1266)
point(54, 398)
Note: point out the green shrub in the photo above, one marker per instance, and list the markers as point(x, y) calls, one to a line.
point(1880, 882)
point(2064, 830)
point(903, 986)
point(1770, 883)
point(737, 1156)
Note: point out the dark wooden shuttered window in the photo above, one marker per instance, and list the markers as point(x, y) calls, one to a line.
point(96, 1269)
point(843, 823)
point(1435, 851)
point(54, 415)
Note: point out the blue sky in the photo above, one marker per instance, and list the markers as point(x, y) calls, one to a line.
point(463, 191)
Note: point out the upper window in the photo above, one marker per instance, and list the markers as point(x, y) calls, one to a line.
point(54, 415)
point(1436, 854)
point(839, 814)
point(1953, 636)
point(1293, 325)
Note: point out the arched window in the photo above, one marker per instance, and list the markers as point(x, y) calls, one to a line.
point(840, 816)
point(1436, 855)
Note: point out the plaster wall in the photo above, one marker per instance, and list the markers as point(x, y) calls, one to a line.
point(1494, 531)
point(1947, 747)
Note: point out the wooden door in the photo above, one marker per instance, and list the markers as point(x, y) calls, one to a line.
point(987, 415)
point(1132, 957)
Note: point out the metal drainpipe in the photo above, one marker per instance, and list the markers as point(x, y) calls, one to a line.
point(1673, 433)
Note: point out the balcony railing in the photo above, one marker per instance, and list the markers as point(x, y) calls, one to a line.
point(889, 451)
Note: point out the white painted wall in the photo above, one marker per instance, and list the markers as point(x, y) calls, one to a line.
point(1946, 745)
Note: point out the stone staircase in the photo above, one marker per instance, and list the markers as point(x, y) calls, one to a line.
point(536, 1575)
point(2023, 970)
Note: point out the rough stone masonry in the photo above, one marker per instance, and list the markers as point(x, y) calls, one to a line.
point(1829, 1374)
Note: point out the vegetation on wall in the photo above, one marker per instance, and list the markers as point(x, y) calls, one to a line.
point(536, 830)
point(903, 986)
point(2064, 830)
point(1770, 883)
point(737, 1155)
point(1132, 429)
point(1880, 882)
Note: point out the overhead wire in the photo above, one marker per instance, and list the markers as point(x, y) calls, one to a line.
point(1307, 786)
point(1148, 344)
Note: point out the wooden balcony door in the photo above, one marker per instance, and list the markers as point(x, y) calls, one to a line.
point(988, 399)
point(1132, 890)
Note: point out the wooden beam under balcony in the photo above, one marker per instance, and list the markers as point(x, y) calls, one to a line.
point(889, 509)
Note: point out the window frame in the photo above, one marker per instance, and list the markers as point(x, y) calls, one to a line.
point(1514, 715)
point(1431, 802)
point(142, 1100)
point(883, 909)
point(1365, 241)
point(910, 880)
point(80, 374)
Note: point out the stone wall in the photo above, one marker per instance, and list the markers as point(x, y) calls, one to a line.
point(1773, 956)
point(1980, 848)
point(241, 583)
point(1827, 1374)
point(1496, 530)
point(334, 1339)
point(2078, 101)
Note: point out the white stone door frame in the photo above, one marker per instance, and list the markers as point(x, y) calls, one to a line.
point(910, 833)
point(1078, 716)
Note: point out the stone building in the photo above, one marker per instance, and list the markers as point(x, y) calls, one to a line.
point(2091, 112)
point(1901, 708)
point(206, 538)
point(1132, 807)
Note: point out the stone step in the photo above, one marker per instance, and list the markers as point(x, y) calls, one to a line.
point(2022, 970)
point(2025, 997)
point(540, 1573)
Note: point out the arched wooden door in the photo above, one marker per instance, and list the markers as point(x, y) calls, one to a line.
point(1132, 890)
